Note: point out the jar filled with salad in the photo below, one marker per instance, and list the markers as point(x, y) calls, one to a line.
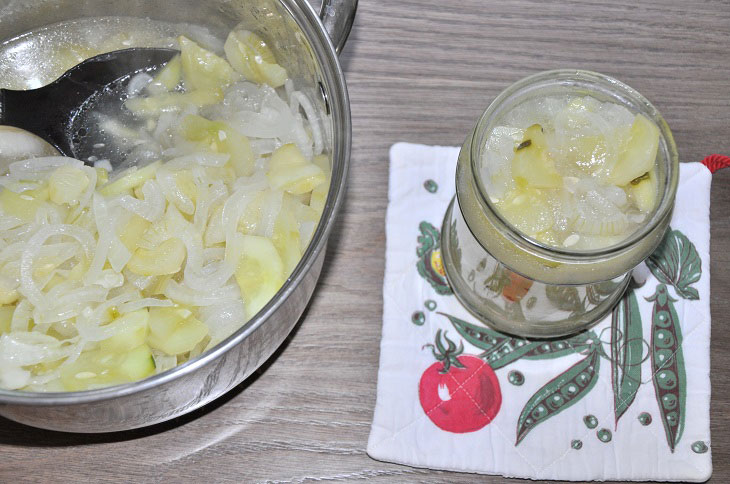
point(565, 185)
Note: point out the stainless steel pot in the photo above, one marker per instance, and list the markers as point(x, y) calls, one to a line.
point(302, 44)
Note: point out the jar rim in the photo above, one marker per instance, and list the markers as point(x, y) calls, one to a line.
point(590, 82)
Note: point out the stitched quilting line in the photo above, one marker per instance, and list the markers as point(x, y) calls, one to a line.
point(606, 385)
point(611, 413)
point(501, 433)
point(425, 414)
point(394, 435)
point(497, 427)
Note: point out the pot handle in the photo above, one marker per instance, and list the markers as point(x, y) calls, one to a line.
point(337, 17)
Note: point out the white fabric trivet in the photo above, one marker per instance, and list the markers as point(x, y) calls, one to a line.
point(572, 444)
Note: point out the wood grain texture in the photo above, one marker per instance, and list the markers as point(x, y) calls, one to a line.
point(419, 71)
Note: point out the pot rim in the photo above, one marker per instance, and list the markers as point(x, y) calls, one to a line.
point(311, 25)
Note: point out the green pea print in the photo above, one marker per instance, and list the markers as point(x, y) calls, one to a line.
point(576, 444)
point(626, 348)
point(591, 421)
point(418, 318)
point(699, 447)
point(667, 360)
point(430, 186)
point(677, 263)
point(430, 305)
point(430, 265)
point(645, 418)
point(604, 435)
point(501, 349)
point(558, 394)
point(516, 377)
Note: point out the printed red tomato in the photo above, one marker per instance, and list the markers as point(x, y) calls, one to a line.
point(459, 393)
point(517, 287)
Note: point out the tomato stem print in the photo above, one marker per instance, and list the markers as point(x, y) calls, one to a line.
point(447, 356)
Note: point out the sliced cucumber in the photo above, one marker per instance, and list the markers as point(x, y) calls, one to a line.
point(22, 205)
point(643, 191)
point(137, 363)
point(532, 165)
point(259, 272)
point(286, 235)
point(174, 330)
point(131, 179)
point(133, 332)
point(249, 55)
point(169, 77)
point(221, 138)
point(131, 234)
point(527, 209)
point(639, 156)
point(203, 69)
point(166, 258)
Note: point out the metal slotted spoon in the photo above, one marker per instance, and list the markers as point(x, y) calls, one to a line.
point(55, 112)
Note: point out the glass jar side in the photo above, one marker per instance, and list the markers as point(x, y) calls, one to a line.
point(511, 302)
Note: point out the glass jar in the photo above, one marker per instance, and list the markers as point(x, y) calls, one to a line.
point(517, 284)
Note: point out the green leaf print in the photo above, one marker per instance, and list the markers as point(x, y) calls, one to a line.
point(428, 240)
point(565, 298)
point(676, 262)
point(667, 361)
point(430, 264)
point(558, 394)
point(627, 344)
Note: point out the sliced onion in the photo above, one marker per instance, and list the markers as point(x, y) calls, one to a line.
point(185, 295)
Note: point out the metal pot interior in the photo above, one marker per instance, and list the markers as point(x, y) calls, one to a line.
point(286, 26)
point(302, 46)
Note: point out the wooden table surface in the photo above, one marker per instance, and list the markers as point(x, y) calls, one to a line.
point(419, 71)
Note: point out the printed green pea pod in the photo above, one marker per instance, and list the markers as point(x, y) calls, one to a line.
point(667, 360)
point(501, 350)
point(548, 349)
point(558, 394)
point(627, 345)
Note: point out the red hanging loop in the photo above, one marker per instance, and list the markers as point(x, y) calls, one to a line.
point(716, 162)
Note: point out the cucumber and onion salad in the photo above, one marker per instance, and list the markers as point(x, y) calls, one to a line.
point(108, 278)
point(573, 172)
